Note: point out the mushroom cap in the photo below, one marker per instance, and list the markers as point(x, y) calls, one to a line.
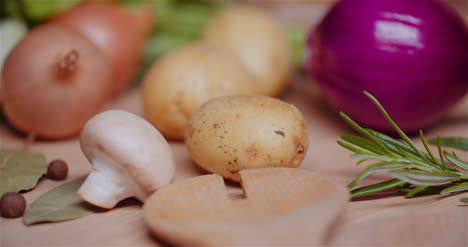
point(134, 145)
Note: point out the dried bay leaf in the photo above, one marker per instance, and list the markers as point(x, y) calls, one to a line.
point(20, 170)
point(59, 204)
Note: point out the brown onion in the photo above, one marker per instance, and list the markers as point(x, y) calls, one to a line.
point(120, 34)
point(54, 80)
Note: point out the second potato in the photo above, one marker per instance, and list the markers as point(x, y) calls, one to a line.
point(180, 82)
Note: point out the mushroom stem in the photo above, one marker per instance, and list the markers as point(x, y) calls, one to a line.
point(106, 185)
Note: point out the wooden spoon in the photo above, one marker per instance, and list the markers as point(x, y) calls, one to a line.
point(283, 206)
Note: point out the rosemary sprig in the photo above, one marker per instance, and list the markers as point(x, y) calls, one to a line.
point(414, 172)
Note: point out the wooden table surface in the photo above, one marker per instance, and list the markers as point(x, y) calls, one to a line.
point(384, 220)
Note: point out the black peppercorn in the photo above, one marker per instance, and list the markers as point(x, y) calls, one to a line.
point(57, 170)
point(12, 205)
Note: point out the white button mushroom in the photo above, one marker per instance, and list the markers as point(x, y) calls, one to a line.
point(130, 158)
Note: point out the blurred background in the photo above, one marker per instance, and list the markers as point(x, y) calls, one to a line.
point(133, 34)
point(176, 21)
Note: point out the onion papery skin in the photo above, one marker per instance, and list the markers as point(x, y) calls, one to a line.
point(53, 81)
point(412, 55)
point(119, 33)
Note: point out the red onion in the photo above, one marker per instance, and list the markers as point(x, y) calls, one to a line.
point(412, 55)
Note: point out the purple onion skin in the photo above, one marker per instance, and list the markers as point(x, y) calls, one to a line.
point(412, 55)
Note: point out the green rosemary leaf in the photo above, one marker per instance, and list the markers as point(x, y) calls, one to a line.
point(453, 142)
point(360, 161)
point(415, 191)
point(390, 184)
point(365, 133)
point(394, 145)
point(456, 188)
point(414, 170)
point(394, 125)
point(431, 156)
point(353, 148)
point(431, 190)
point(379, 167)
point(441, 154)
point(439, 163)
point(465, 200)
point(412, 159)
point(424, 178)
point(404, 188)
point(363, 143)
point(456, 161)
point(365, 157)
point(408, 153)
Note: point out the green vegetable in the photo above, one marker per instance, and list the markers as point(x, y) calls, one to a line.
point(378, 187)
point(414, 171)
point(59, 204)
point(34, 12)
point(178, 22)
point(456, 188)
point(20, 170)
point(420, 190)
point(453, 142)
point(40, 10)
point(415, 191)
point(297, 38)
point(424, 178)
point(456, 161)
point(10, 9)
point(3, 10)
point(12, 31)
point(375, 168)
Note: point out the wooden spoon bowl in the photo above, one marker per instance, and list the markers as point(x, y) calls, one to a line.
point(281, 206)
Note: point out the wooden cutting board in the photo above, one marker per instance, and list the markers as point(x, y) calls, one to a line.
point(278, 206)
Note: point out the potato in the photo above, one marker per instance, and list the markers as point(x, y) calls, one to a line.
point(229, 134)
point(187, 77)
point(259, 41)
